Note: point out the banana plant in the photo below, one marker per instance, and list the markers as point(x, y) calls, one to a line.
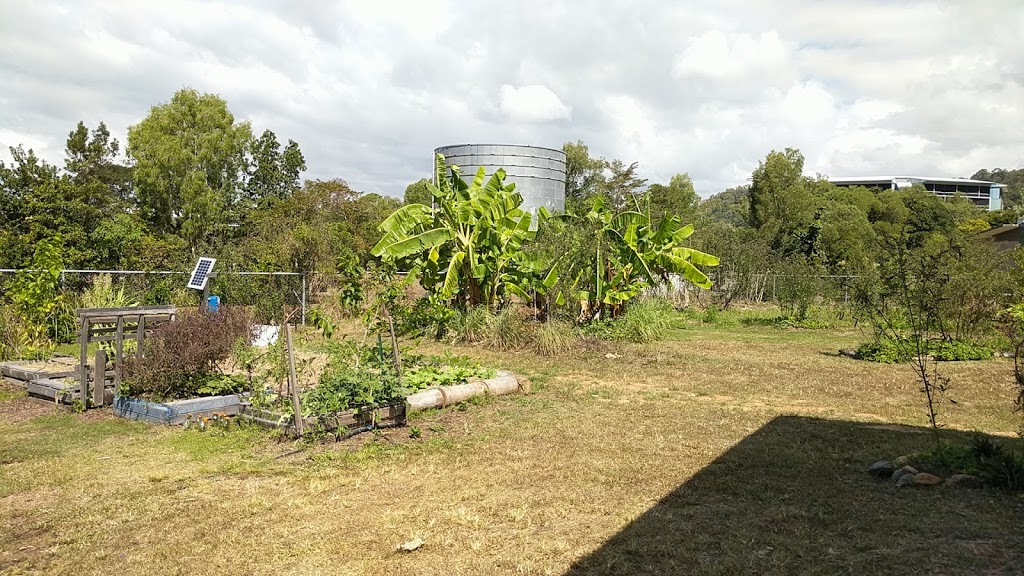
point(639, 253)
point(467, 246)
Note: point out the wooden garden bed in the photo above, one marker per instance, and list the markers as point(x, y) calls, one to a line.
point(350, 421)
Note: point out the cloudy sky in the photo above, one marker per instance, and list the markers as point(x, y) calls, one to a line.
point(369, 88)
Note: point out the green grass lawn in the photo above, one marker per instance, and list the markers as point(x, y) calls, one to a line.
point(728, 449)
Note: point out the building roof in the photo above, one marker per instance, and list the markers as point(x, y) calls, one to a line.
point(932, 179)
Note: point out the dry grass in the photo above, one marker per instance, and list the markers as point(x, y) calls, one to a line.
point(717, 452)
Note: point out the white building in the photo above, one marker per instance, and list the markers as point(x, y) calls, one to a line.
point(982, 193)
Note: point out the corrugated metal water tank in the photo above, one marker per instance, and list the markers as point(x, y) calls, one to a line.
point(539, 173)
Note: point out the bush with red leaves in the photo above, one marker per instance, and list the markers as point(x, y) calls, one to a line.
point(180, 357)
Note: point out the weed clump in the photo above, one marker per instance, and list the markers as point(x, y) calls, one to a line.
point(504, 330)
point(554, 337)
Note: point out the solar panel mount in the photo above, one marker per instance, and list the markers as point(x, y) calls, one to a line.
point(201, 274)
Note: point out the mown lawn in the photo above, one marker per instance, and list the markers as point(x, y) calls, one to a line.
point(729, 450)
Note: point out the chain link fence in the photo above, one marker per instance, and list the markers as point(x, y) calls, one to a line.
point(266, 294)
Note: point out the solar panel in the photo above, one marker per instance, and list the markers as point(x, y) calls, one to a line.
point(202, 273)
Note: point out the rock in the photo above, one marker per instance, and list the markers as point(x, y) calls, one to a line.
point(902, 461)
point(410, 545)
point(881, 469)
point(905, 480)
point(926, 479)
point(903, 472)
point(964, 481)
point(848, 352)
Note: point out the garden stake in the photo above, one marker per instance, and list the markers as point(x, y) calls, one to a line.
point(394, 346)
point(293, 381)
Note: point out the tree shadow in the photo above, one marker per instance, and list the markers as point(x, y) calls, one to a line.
point(794, 498)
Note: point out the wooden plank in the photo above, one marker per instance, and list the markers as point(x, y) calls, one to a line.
point(140, 335)
point(294, 383)
point(18, 372)
point(118, 352)
point(98, 379)
point(132, 319)
point(127, 311)
point(388, 416)
point(83, 361)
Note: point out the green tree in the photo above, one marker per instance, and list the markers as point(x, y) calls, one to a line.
point(418, 192)
point(18, 182)
point(189, 159)
point(584, 176)
point(91, 160)
point(622, 185)
point(273, 173)
point(782, 203)
point(731, 206)
point(1013, 194)
point(678, 198)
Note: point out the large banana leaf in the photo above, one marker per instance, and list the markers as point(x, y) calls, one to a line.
point(696, 256)
point(416, 244)
point(683, 267)
point(451, 277)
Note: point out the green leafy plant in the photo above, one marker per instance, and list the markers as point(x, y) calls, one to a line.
point(343, 388)
point(221, 384)
point(632, 251)
point(36, 300)
point(428, 375)
point(884, 350)
point(958, 350)
point(321, 322)
point(469, 245)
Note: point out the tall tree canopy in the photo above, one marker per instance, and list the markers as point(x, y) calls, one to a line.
point(189, 157)
point(1013, 195)
point(418, 192)
point(273, 173)
point(677, 199)
point(584, 176)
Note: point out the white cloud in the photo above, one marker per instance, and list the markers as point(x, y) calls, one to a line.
point(532, 103)
point(369, 89)
point(717, 55)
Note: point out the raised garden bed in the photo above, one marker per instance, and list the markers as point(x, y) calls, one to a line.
point(348, 422)
point(56, 379)
point(178, 411)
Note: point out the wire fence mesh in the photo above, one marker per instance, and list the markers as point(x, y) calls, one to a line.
point(266, 294)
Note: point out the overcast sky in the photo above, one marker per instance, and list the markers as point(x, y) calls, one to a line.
point(370, 88)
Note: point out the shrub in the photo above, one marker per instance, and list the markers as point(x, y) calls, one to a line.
point(959, 350)
point(797, 287)
point(885, 351)
point(984, 457)
point(182, 357)
point(889, 351)
point(554, 337)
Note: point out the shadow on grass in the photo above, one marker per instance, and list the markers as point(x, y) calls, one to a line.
point(794, 498)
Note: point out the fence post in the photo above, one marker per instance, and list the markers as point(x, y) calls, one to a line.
point(303, 299)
